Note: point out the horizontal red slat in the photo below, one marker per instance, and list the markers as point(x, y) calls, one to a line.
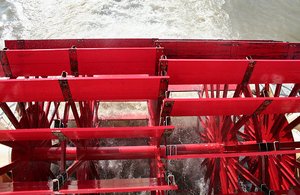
point(87, 186)
point(95, 153)
point(231, 106)
point(79, 43)
point(115, 185)
point(38, 62)
point(83, 133)
point(276, 71)
point(52, 62)
point(218, 49)
point(114, 88)
point(25, 188)
point(183, 71)
point(23, 90)
point(82, 88)
point(178, 48)
point(117, 61)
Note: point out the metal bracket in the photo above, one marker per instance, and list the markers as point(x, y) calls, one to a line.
point(263, 147)
point(58, 123)
point(269, 146)
point(64, 85)
point(157, 43)
point(291, 51)
point(168, 132)
point(234, 50)
point(163, 67)
point(59, 181)
point(20, 44)
point(73, 60)
point(59, 135)
point(264, 188)
point(171, 150)
point(276, 145)
point(262, 107)
point(167, 108)
point(170, 178)
point(5, 63)
point(249, 71)
point(163, 88)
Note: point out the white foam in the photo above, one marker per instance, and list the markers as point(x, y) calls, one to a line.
point(128, 18)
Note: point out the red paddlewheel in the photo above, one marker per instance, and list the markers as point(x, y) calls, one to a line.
point(244, 129)
point(31, 117)
point(242, 108)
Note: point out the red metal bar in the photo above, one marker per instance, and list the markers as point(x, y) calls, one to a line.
point(79, 43)
point(4, 63)
point(223, 49)
point(181, 151)
point(5, 108)
point(75, 113)
point(96, 153)
point(116, 185)
point(230, 106)
point(26, 188)
point(84, 133)
point(63, 146)
point(224, 71)
point(9, 167)
point(95, 88)
point(86, 187)
point(75, 165)
point(277, 90)
point(97, 61)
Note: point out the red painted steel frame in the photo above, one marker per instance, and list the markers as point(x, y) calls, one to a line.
point(245, 138)
point(96, 61)
point(208, 71)
point(82, 88)
point(84, 133)
point(228, 106)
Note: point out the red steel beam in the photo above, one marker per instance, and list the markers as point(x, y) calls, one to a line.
point(204, 150)
point(83, 88)
point(79, 43)
point(6, 109)
point(91, 61)
point(177, 48)
point(93, 153)
point(83, 133)
point(237, 49)
point(220, 71)
point(228, 106)
point(115, 185)
point(86, 187)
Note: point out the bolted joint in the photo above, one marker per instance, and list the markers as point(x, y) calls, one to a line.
point(163, 87)
point(163, 66)
point(60, 136)
point(73, 60)
point(59, 181)
point(264, 188)
point(5, 63)
point(167, 108)
point(168, 132)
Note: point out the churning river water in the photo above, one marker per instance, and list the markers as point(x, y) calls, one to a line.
point(216, 19)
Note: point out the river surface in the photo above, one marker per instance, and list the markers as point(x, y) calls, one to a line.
point(208, 19)
point(214, 19)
